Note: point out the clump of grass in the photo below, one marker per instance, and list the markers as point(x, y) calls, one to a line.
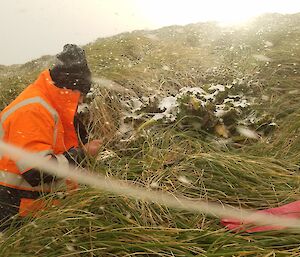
point(104, 115)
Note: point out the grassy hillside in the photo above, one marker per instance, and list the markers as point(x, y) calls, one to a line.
point(252, 72)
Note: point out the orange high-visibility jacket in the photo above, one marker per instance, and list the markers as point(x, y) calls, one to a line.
point(39, 120)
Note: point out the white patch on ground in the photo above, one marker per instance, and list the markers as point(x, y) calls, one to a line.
point(105, 155)
point(268, 44)
point(193, 90)
point(262, 58)
point(136, 104)
point(184, 180)
point(154, 185)
point(152, 37)
point(246, 132)
point(169, 106)
point(82, 108)
point(218, 87)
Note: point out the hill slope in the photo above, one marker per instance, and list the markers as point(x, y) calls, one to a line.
point(259, 62)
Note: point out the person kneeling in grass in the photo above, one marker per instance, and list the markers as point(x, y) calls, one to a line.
point(42, 120)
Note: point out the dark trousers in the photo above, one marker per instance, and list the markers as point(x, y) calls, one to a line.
point(10, 199)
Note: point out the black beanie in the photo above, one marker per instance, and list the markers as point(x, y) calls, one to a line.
point(72, 70)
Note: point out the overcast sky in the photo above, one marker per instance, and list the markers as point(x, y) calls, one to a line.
point(32, 28)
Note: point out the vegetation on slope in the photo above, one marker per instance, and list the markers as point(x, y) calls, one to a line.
point(261, 59)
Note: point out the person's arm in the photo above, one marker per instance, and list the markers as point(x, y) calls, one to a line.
point(33, 130)
point(37, 177)
point(74, 156)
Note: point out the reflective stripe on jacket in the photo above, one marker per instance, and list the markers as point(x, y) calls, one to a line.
point(39, 120)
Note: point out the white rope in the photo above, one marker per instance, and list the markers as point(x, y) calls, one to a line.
point(122, 188)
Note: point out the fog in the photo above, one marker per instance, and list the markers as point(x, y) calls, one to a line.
point(32, 28)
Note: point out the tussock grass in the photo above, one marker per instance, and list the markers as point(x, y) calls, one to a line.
point(92, 223)
point(104, 115)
